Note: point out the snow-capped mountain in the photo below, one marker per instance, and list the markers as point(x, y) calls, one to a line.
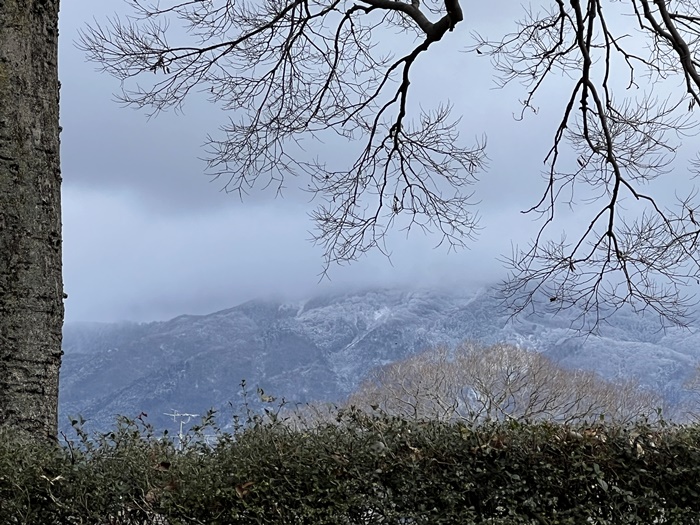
point(322, 348)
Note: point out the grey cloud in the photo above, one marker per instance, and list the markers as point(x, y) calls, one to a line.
point(149, 236)
point(106, 146)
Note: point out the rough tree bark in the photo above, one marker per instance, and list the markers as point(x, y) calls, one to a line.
point(31, 286)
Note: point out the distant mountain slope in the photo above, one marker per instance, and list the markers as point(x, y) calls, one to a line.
point(322, 348)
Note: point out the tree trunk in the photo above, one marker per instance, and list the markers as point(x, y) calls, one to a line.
point(31, 284)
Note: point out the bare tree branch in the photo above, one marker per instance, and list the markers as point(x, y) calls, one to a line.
point(291, 70)
point(619, 147)
point(294, 72)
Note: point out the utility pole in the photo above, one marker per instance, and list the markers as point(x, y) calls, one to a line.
point(184, 420)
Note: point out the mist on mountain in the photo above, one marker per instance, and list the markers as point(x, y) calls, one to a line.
point(321, 349)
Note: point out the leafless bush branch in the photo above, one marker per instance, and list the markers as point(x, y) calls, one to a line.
point(476, 384)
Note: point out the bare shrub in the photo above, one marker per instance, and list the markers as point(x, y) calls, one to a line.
point(477, 384)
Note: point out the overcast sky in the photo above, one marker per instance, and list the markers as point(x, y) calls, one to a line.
point(148, 236)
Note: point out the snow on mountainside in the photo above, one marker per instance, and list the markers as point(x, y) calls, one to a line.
point(322, 348)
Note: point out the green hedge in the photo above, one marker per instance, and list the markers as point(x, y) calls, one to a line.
point(358, 468)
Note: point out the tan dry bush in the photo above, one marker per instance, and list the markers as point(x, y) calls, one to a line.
point(477, 383)
point(691, 408)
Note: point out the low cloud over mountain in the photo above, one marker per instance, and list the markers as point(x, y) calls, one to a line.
point(320, 349)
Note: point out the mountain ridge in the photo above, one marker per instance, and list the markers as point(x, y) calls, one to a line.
point(320, 349)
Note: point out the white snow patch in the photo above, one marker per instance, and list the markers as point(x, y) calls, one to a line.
point(382, 313)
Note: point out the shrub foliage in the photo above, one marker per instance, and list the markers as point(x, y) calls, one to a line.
point(357, 468)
